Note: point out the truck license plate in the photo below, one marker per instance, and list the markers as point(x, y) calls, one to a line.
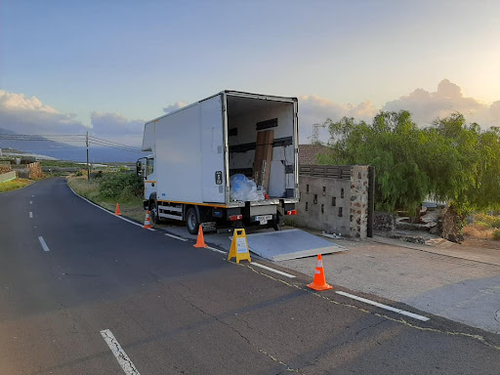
point(263, 219)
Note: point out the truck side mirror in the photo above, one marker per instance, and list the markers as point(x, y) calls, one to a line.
point(139, 169)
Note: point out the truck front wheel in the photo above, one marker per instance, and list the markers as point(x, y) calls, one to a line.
point(192, 222)
point(154, 213)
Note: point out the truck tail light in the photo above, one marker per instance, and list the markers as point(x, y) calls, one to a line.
point(235, 217)
point(291, 212)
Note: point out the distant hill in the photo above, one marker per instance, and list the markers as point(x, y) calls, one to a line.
point(65, 151)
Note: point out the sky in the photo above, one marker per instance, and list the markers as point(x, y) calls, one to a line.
point(108, 66)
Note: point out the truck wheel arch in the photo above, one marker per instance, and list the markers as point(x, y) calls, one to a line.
point(152, 199)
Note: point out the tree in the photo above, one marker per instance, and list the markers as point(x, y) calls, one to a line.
point(451, 160)
point(393, 144)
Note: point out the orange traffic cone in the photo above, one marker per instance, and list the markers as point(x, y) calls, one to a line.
point(319, 282)
point(147, 221)
point(200, 241)
point(117, 210)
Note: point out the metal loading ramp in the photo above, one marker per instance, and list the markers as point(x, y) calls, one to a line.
point(289, 244)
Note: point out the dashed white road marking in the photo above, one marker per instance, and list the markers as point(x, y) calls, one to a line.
point(120, 355)
point(33, 196)
point(42, 242)
point(31, 215)
point(382, 306)
point(109, 212)
point(273, 270)
point(176, 237)
point(31, 202)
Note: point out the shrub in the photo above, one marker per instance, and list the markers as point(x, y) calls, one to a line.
point(122, 186)
point(496, 234)
point(482, 225)
point(490, 220)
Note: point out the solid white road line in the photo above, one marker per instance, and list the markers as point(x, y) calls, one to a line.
point(176, 237)
point(42, 242)
point(109, 212)
point(120, 355)
point(273, 270)
point(31, 215)
point(390, 308)
point(216, 250)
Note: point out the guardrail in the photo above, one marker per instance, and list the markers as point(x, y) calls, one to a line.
point(7, 176)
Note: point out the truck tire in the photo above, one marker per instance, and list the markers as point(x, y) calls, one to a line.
point(153, 209)
point(192, 221)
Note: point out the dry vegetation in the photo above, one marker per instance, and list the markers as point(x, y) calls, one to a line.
point(130, 204)
point(18, 183)
point(485, 227)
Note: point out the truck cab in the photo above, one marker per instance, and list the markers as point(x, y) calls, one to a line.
point(145, 167)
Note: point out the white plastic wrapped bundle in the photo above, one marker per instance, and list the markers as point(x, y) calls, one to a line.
point(244, 189)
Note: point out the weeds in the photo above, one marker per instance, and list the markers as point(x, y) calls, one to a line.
point(485, 227)
point(121, 186)
point(478, 232)
point(110, 189)
point(18, 183)
point(490, 221)
point(496, 234)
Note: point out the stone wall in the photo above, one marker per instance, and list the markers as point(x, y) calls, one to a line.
point(5, 168)
point(334, 199)
point(7, 176)
point(359, 201)
point(35, 170)
point(384, 221)
point(31, 170)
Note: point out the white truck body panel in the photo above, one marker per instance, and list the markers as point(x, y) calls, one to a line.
point(212, 149)
point(178, 160)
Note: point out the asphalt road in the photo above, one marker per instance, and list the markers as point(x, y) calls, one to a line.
point(175, 309)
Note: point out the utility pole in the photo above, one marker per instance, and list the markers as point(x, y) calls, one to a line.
point(88, 165)
point(315, 133)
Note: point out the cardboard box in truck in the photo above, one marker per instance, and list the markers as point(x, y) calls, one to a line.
point(199, 149)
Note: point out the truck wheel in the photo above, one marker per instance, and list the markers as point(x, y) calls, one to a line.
point(192, 222)
point(154, 213)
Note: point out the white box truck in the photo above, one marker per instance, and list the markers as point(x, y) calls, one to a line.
point(197, 149)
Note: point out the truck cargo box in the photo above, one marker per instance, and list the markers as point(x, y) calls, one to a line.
point(197, 149)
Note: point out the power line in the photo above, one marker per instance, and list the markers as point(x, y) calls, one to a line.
point(70, 138)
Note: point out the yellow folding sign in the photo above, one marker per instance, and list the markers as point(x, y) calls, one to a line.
point(239, 246)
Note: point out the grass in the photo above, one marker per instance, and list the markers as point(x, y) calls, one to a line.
point(60, 163)
point(485, 227)
point(18, 183)
point(478, 232)
point(130, 205)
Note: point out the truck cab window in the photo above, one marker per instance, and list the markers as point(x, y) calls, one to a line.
point(150, 166)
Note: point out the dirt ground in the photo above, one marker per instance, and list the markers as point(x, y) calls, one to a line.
point(481, 244)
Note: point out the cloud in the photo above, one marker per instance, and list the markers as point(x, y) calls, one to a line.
point(27, 115)
point(426, 106)
point(116, 127)
point(315, 110)
point(174, 107)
